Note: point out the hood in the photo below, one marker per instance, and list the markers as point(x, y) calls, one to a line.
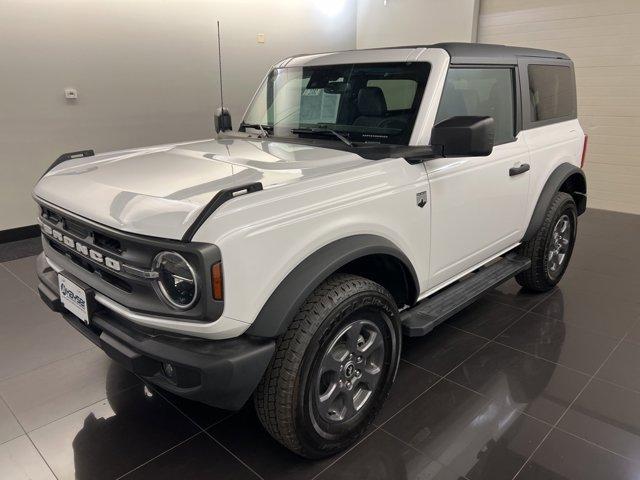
point(159, 191)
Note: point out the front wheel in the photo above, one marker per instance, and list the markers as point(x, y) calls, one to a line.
point(332, 369)
point(551, 247)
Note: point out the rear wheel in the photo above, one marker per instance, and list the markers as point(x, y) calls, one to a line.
point(332, 369)
point(551, 247)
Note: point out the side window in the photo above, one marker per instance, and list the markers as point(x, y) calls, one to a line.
point(398, 93)
point(481, 91)
point(551, 92)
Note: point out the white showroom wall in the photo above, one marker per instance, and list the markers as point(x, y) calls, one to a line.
point(145, 70)
point(416, 22)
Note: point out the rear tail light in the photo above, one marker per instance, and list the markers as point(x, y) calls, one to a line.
point(584, 150)
point(216, 281)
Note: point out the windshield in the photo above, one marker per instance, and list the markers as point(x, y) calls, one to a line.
point(375, 102)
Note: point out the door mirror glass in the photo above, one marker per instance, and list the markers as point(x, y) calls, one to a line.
point(222, 120)
point(467, 136)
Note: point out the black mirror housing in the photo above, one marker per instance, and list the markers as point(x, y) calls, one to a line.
point(222, 120)
point(464, 136)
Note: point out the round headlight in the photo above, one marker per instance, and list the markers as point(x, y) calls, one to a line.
point(176, 279)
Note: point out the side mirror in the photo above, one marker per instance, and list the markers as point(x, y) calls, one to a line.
point(222, 120)
point(467, 136)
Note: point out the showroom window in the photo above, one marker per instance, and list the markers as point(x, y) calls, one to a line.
point(481, 91)
point(550, 92)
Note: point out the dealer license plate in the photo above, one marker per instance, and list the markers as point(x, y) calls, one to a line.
point(74, 298)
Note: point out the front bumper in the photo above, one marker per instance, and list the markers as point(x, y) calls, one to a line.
point(220, 373)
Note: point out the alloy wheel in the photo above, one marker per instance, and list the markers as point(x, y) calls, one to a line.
point(559, 246)
point(349, 371)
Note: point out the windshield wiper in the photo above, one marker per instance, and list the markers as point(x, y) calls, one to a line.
point(258, 126)
point(324, 131)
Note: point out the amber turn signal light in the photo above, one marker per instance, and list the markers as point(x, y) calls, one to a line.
point(216, 280)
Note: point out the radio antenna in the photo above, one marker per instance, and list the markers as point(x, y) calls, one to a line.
point(220, 67)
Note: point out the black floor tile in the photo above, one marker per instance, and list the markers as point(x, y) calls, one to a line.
point(514, 440)
point(198, 458)
point(486, 317)
point(558, 342)
point(112, 437)
point(203, 415)
point(608, 232)
point(602, 215)
point(441, 350)
point(623, 367)
point(538, 387)
point(243, 435)
point(13, 290)
point(51, 392)
point(382, 457)
point(607, 287)
point(608, 416)
point(19, 460)
point(565, 457)
point(24, 268)
point(20, 248)
point(23, 316)
point(611, 226)
point(26, 313)
point(32, 336)
point(475, 436)
point(596, 245)
point(634, 333)
point(613, 319)
point(513, 294)
point(606, 223)
point(9, 426)
point(410, 383)
point(590, 255)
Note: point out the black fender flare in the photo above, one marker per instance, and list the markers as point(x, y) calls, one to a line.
point(554, 183)
point(277, 313)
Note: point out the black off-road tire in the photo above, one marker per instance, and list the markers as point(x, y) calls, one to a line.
point(538, 278)
point(284, 398)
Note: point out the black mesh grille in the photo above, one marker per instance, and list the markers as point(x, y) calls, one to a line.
point(76, 228)
point(108, 243)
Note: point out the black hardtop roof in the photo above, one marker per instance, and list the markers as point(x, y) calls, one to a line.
point(486, 53)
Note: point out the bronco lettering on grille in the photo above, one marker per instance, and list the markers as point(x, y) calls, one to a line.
point(82, 249)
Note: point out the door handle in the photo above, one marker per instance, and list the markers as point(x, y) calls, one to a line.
point(519, 169)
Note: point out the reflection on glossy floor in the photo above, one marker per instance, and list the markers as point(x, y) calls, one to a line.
point(518, 385)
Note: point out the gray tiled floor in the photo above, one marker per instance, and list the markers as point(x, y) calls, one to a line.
point(517, 385)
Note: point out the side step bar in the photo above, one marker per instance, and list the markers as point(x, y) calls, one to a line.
point(426, 315)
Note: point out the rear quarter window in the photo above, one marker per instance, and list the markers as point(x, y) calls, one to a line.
point(551, 92)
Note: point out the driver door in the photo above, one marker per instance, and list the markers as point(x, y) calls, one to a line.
point(478, 204)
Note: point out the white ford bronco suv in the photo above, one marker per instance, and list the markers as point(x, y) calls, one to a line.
point(367, 194)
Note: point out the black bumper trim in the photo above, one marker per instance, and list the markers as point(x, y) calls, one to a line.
point(220, 373)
